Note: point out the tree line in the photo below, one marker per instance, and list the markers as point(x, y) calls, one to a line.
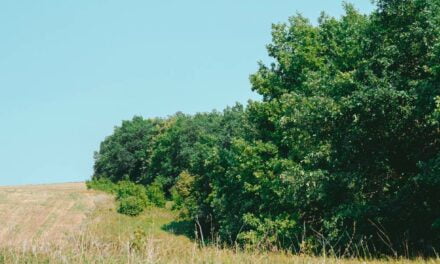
point(342, 153)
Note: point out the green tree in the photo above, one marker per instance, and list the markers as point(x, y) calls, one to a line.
point(342, 151)
point(125, 154)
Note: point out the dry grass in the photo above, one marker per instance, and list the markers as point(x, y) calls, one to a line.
point(68, 224)
point(35, 214)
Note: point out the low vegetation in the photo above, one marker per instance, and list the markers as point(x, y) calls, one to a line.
point(156, 235)
point(132, 198)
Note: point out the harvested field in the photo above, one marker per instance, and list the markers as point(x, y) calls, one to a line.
point(39, 214)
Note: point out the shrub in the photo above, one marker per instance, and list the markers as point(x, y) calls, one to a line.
point(127, 189)
point(102, 184)
point(155, 194)
point(182, 191)
point(131, 205)
point(132, 198)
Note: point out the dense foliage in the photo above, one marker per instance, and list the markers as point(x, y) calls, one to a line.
point(342, 153)
point(132, 198)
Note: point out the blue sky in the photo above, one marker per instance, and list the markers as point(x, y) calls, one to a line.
point(72, 70)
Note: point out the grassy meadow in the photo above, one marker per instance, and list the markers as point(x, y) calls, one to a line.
point(67, 223)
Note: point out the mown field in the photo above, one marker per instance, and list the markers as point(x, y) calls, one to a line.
point(66, 223)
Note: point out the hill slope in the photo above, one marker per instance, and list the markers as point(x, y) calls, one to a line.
point(39, 214)
point(66, 223)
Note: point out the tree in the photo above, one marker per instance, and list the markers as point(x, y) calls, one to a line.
point(126, 153)
point(342, 151)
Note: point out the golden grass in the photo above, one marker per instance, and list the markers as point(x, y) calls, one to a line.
point(35, 214)
point(101, 235)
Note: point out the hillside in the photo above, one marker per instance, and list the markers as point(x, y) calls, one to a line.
point(39, 214)
point(66, 223)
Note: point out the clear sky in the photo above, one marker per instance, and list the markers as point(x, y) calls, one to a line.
point(71, 70)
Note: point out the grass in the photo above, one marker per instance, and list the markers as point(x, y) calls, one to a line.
point(155, 236)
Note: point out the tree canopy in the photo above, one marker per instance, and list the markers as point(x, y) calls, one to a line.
point(342, 150)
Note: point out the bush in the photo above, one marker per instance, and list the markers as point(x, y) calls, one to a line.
point(127, 189)
point(181, 193)
point(131, 206)
point(102, 184)
point(155, 194)
point(132, 198)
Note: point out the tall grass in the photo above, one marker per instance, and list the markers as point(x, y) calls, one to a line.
point(109, 237)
